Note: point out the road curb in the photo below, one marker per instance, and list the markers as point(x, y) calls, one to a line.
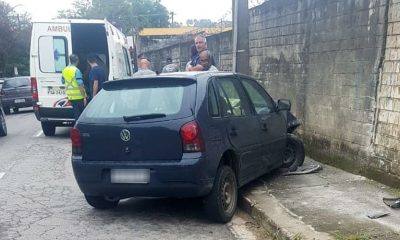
point(276, 219)
point(261, 218)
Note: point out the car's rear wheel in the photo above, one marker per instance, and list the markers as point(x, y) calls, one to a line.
point(100, 202)
point(49, 129)
point(16, 110)
point(220, 204)
point(294, 153)
point(3, 126)
point(6, 110)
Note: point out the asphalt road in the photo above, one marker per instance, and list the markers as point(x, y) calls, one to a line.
point(39, 198)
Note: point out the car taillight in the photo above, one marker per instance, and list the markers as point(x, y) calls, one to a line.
point(75, 136)
point(35, 95)
point(191, 137)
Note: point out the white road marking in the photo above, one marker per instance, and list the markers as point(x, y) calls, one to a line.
point(2, 174)
point(38, 133)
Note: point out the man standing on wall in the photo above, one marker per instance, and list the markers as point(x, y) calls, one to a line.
point(72, 79)
point(97, 75)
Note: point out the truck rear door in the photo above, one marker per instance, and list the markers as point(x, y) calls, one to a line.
point(51, 45)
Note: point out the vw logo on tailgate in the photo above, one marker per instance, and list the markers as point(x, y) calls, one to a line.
point(125, 135)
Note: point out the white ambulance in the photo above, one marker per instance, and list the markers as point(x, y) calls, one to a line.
point(51, 44)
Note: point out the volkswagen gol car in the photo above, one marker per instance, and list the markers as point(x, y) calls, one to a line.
point(178, 135)
point(16, 93)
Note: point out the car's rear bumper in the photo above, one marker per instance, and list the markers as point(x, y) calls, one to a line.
point(17, 102)
point(56, 115)
point(185, 178)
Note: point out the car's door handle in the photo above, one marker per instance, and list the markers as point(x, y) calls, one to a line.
point(233, 131)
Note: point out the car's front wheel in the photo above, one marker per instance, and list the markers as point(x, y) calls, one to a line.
point(294, 153)
point(3, 126)
point(100, 202)
point(220, 204)
point(48, 129)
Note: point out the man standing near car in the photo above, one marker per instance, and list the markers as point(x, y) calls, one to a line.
point(201, 45)
point(72, 79)
point(97, 75)
point(206, 60)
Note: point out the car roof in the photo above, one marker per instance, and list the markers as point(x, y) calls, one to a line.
point(189, 74)
point(193, 75)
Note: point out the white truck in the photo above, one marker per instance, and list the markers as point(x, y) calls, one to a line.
point(51, 44)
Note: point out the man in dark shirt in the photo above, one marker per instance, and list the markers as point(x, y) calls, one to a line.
point(201, 45)
point(97, 75)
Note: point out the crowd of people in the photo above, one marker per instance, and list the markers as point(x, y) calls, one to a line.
point(79, 93)
point(201, 59)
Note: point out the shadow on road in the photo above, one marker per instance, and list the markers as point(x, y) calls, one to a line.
point(162, 209)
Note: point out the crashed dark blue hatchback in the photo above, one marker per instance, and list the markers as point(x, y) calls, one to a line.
point(178, 135)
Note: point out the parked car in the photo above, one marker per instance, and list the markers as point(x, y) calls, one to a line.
point(3, 126)
point(178, 135)
point(16, 93)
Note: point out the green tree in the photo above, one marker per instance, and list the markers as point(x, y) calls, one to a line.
point(125, 14)
point(15, 32)
point(204, 23)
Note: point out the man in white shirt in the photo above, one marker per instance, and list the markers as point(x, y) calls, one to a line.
point(144, 68)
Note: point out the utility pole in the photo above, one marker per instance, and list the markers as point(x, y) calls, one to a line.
point(172, 19)
point(240, 44)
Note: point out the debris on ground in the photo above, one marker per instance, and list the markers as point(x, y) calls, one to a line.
point(304, 170)
point(392, 202)
point(378, 215)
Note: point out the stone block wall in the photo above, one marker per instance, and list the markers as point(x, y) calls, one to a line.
point(387, 137)
point(324, 56)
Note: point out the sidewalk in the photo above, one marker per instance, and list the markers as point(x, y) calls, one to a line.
point(328, 204)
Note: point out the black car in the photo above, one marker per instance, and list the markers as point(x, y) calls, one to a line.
point(3, 126)
point(178, 135)
point(16, 93)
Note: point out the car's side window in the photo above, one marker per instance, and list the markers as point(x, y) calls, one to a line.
point(213, 110)
point(229, 98)
point(262, 102)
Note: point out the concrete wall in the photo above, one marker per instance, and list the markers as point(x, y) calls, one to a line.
point(324, 56)
point(386, 139)
point(338, 61)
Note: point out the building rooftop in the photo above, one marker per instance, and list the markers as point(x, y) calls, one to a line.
point(153, 32)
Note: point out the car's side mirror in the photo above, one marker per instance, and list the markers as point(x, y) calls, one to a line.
point(284, 104)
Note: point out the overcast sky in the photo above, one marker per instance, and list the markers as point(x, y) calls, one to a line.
point(183, 9)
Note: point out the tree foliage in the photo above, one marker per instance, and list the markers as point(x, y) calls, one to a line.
point(15, 32)
point(125, 14)
point(205, 23)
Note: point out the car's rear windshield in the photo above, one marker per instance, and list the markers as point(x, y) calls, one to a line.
point(17, 82)
point(170, 98)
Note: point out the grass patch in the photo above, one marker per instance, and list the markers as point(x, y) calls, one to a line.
point(298, 236)
point(357, 236)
